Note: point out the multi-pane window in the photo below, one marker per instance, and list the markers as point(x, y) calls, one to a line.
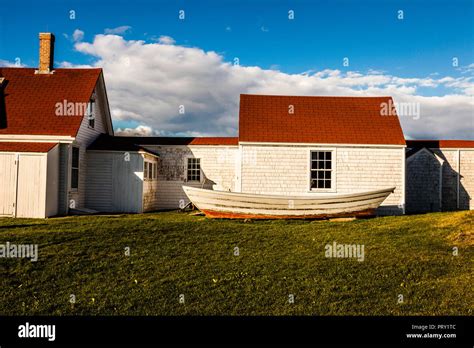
point(194, 169)
point(321, 170)
point(75, 168)
point(150, 171)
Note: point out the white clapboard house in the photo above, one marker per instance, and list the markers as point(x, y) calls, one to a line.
point(58, 153)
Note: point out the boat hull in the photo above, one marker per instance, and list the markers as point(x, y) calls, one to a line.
point(233, 205)
point(226, 215)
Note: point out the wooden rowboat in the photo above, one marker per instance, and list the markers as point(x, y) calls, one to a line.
point(234, 205)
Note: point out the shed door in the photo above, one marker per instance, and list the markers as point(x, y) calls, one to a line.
point(31, 195)
point(7, 183)
point(22, 183)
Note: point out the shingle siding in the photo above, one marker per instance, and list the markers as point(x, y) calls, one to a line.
point(278, 170)
point(423, 183)
point(217, 163)
point(450, 178)
point(285, 170)
point(458, 165)
point(466, 192)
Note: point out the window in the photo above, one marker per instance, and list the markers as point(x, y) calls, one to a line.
point(90, 113)
point(75, 168)
point(194, 169)
point(150, 171)
point(321, 170)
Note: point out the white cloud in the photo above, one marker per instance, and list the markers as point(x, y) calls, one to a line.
point(78, 35)
point(7, 64)
point(467, 69)
point(149, 82)
point(118, 31)
point(65, 64)
point(166, 40)
point(143, 131)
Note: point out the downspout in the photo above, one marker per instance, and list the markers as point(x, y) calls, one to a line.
point(17, 162)
point(459, 177)
point(441, 185)
point(66, 180)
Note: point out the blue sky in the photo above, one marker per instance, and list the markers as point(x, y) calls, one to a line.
point(323, 32)
point(260, 34)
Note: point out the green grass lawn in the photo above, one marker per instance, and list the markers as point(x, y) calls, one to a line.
point(176, 253)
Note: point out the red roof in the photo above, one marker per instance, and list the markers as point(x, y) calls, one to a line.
point(26, 147)
point(325, 120)
point(441, 143)
point(30, 100)
point(215, 141)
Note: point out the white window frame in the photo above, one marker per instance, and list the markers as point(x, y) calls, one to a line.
point(186, 169)
point(147, 164)
point(333, 169)
point(147, 167)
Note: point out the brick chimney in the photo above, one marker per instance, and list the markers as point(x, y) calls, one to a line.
point(46, 53)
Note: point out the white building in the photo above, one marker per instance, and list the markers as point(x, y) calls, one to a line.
point(47, 119)
point(58, 154)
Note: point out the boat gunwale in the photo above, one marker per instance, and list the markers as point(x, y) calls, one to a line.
point(298, 205)
point(292, 197)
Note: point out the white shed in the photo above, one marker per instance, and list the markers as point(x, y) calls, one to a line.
point(29, 177)
point(121, 177)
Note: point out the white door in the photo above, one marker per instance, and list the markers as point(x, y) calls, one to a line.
point(22, 185)
point(8, 173)
point(31, 194)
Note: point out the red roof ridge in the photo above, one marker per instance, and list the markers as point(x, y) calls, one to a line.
point(215, 141)
point(316, 96)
